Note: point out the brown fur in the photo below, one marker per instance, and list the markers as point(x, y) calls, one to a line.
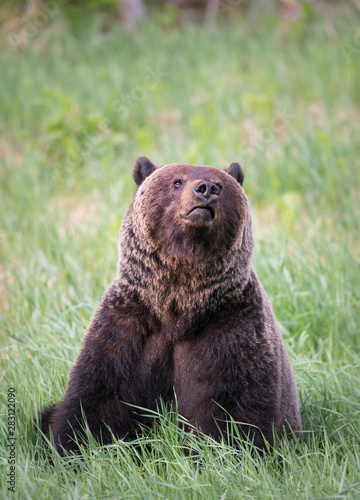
point(185, 314)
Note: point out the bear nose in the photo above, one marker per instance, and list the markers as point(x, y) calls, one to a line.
point(206, 191)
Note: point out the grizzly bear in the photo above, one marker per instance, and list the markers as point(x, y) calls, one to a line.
point(185, 319)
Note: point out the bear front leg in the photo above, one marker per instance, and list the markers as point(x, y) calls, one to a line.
point(122, 362)
point(103, 416)
point(225, 372)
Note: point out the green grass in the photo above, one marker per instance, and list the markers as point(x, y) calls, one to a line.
point(76, 108)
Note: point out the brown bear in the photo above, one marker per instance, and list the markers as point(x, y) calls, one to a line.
point(186, 317)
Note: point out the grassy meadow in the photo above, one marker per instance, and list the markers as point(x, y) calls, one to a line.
point(78, 104)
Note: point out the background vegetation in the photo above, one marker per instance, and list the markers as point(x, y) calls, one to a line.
point(80, 99)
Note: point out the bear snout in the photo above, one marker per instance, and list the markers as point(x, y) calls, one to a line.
point(207, 191)
point(201, 202)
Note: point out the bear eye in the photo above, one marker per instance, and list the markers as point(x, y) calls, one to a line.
point(177, 183)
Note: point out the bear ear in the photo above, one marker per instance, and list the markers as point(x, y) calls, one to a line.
point(236, 171)
point(143, 168)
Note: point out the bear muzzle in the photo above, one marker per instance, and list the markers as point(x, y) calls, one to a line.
point(202, 203)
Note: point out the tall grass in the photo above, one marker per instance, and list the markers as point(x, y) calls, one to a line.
point(76, 108)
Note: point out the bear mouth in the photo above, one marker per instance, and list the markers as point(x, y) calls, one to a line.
point(200, 213)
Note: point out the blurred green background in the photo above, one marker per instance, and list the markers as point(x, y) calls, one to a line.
point(85, 88)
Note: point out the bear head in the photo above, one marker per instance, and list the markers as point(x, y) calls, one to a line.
point(191, 214)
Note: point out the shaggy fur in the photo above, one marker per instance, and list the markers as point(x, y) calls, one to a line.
point(186, 314)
